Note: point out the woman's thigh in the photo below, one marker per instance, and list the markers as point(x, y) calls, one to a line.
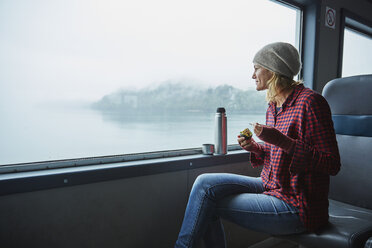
point(260, 212)
point(220, 185)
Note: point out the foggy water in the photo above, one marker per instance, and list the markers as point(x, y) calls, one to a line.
point(49, 133)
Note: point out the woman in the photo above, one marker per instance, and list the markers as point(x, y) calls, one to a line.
point(298, 155)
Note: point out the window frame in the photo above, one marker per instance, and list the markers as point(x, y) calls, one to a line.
point(28, 181)
point(73, 163)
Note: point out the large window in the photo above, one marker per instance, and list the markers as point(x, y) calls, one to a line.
point(82, 78)
point(356, 45)
point(357, 53)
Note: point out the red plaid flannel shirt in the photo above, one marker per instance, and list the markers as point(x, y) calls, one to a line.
point(302, 178)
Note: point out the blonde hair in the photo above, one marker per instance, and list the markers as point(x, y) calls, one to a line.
point(278, 84)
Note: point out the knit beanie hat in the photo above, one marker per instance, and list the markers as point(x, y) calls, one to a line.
point(279, 57)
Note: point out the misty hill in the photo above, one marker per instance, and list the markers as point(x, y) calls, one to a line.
point(181, 97)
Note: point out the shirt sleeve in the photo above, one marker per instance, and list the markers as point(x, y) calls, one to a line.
point(258, 160)
point(316, 150)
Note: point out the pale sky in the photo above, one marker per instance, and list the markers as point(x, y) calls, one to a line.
point(356, 46)
point(82, 49)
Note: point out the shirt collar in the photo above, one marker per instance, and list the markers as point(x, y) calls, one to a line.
point(291, 98)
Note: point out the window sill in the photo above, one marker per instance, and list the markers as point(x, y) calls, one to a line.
point(25, 181)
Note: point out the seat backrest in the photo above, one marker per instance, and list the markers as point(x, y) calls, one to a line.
point(350, 100)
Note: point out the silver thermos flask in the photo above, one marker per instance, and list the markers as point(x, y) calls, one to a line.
point(220, 135)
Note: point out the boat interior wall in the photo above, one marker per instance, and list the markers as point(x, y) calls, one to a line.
point(144, 211)
point(328, 55)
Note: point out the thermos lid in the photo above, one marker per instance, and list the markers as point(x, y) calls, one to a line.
point(221, 110)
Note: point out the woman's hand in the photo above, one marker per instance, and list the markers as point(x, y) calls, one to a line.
point(273, 136)
point(250, 145)
point(245, 143)
point(257, 128)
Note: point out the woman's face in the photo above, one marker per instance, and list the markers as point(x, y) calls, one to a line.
point(261, 75)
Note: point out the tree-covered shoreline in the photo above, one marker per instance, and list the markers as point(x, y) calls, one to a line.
point(182, 97)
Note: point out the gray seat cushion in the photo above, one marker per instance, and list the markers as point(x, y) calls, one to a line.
point(349, 226)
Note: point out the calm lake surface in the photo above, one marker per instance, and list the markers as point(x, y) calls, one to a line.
point(53, 133)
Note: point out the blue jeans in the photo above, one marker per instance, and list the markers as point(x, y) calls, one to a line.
point(238, 199)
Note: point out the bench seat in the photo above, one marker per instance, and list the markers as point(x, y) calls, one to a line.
point(350, 197)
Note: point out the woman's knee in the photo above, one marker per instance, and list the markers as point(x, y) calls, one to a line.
point(205, 181)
